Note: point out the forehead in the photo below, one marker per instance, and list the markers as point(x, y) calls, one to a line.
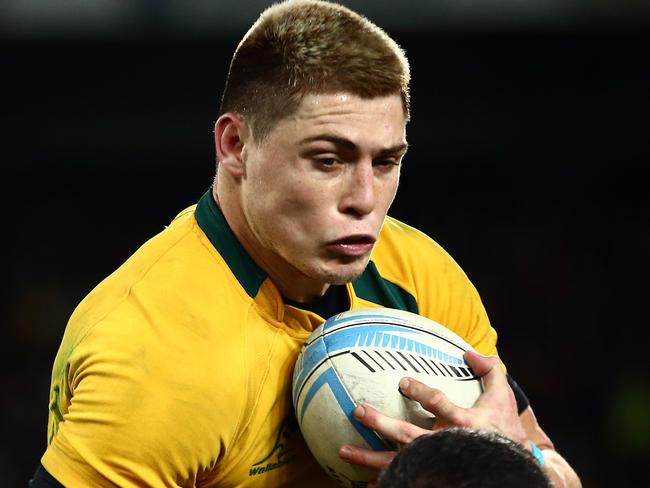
point(316, 105)
point(345, 114)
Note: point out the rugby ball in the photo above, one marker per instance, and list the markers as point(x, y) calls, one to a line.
point(359, 356)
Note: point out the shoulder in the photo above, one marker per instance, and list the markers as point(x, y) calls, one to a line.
point(405, 253)
point(164, 279)
point(154, 318)
point(413, 261)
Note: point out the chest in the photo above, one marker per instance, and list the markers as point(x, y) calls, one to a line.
point(269, 450)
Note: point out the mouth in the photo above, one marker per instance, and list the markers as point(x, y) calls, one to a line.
point(353, 245)
point(355, 239)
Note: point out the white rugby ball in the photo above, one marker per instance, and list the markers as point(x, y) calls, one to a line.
point(359, 357)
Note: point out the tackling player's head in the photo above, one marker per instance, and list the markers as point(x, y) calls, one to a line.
point(463, 458)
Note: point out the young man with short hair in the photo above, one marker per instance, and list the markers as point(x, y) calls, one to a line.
point(176, 369)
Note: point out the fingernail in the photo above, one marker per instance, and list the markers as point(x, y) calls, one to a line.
point(345, 453)
point(359, 411)
point(404, 384)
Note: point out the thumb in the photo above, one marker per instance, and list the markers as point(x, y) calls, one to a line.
point(488, 368)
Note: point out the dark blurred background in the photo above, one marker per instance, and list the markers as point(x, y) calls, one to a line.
point(529, 144)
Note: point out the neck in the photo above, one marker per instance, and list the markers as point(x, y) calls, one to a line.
point(290, 281)
point(298, 292)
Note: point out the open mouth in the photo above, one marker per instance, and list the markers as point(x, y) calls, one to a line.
point(360, 239)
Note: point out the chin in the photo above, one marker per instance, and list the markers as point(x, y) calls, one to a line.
point(343, 275)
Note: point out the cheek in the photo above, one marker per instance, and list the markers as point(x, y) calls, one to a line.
point(393, 192)
point(388, 191)
point(305, 204)
point(279, 200)
point(303, 214)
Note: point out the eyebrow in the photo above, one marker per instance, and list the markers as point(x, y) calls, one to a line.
point(351, 146)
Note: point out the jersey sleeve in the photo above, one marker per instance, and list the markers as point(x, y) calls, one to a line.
point(448, 296)
point(126, 413)
point(442, 290)
point(520, 396)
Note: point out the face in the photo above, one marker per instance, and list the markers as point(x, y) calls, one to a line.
point(315, 192)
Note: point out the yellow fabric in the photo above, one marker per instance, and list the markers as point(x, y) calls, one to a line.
point(413, 261)
point(170, 374)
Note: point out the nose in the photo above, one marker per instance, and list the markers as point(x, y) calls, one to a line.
point(359, 192)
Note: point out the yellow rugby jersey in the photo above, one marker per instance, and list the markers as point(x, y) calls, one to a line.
point(176, 369)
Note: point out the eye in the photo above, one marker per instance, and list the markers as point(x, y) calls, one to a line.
point(387, 163)
point(326, 163)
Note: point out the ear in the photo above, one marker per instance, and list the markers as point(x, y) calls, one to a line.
point(230, 135)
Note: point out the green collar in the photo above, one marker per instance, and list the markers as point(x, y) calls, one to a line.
point(370, 285)
point(213, 223)
point(375, 288)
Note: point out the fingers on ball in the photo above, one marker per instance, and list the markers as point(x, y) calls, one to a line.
point(366, 457)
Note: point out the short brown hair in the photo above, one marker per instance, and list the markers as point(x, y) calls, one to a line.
point(299, 47)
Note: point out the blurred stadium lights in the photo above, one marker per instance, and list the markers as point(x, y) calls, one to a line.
point(158, 19)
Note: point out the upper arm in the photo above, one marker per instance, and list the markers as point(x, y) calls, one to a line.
point(533, 430)
point(442, 290)
point(137, 412)
point(561, 474)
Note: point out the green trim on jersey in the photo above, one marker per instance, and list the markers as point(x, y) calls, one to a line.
point(370, 285)
point(373, 287)
point(213, 223)
point(190, 322)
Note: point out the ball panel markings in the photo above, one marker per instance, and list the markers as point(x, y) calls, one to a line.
point(359, 357)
